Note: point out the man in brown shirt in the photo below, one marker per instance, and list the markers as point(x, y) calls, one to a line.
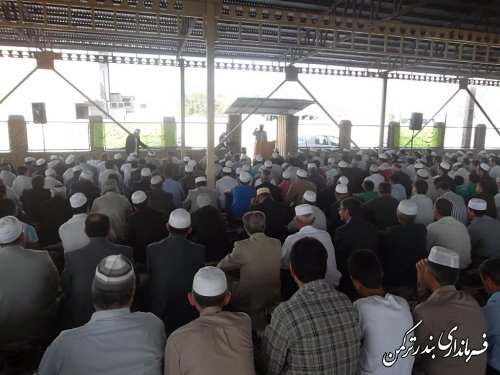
point(298, 188)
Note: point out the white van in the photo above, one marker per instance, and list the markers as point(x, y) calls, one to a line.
point(329, 142)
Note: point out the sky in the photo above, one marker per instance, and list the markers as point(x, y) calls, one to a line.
point(157, 89)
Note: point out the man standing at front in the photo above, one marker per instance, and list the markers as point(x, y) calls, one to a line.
point(133, 142)
point(316, 331)
point(216, 342)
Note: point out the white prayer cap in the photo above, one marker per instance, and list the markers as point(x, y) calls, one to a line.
point(419, 165)
point(343, 180)
point(77, 168)
point(383, 156)
point(155, 180)
point(227, 170)
point(263, 190)
point(53, 157)
point(259, 158)
point(284, 165)
point(341, 189)
point(286, 174)
point(310, 196)
point(245, 177)
point(238, 170)
point(203, 200)
point(86, 175)
point(422, 173)
point(77, 200)
point(331, 160)
point(134, 154)
point(303, 210)
point(246, 168)
point(229, 164)
point(138, 197)
point(50, 172)
point(343, 164)
point(477, 204)
point(457, 164)
point(274, 155)
point(57, 190)
point(445, 165)
point(118, 156)
point(192, 163)
point(447, 155)
point(179, 219)
point(145, 172)
point(267, 164)
point(188, 168)
point(200, 179)
point(40, 162)
point(210, 282)
point(485, 167)
point(10, 229)
point(374, 168)
point(151, 153)
point(443, 256)
point(311, 165)
point(301, 173)
point(29, 159)
point(423, 160)
point(186, 158)
point(130, 157)
point(407, 207)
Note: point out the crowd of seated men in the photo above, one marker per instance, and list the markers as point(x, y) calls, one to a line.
point(331, 262)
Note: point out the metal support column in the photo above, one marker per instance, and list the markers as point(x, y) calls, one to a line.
point(382, 113)
point(183, 108)
point(19, 84)
point(210, 43)
point(481, 108)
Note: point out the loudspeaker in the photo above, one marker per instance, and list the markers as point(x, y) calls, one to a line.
point(416, 121)
point(39, 115)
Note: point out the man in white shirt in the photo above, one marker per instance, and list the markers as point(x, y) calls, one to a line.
point(22, 182)
point(384, 318)
point(425, 210)
point(226, 183)
point(304, 220)
point(375, 176)
point(6, 174)
point(72, 232)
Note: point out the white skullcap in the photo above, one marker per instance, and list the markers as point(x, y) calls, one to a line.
point(29, 159)
point(343, 180)
point(331, 160)
point(245, 177)
point(258, 158)
point(188, 168)
point(374, 168)
point(407, 207)
point(383, 156)
point(443, 256)
point(300, 151)
point(138, 197)
point(477, 204)
point(422, 173)
point(310, 196)
point(210, 282)
point(86, 175)
point(200, 179)
point(419, 166)
point(77, 168)
point(151, 153)
point(287, 174)
point(246, 168)
point(447, 155)
point(284, 165)
point(238, 170)
point(186, 158)
point(268, 164)
point(192, 163)
point(263, 190)
point(342, 164)
point(301, 173)
point(130, 157)
point(77, 200)
point(311, 165)
point(203, 200)
point(118, 156)
point(134, 154)
point(50, 172)
point(145, 172)
point(303, 210)
point(445, 165)
point(227, 170)
point(274, 155)
point(10, 229)
point(341, 189)
point(53, 157)
point(424, 160)
point(40, 162)
point(155, 180)
point(485, 167)
point(229, 164)
point(57, 189)
point(179, 219)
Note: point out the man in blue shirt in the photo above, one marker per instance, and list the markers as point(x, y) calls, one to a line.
point(242, 195)
point(173, 187)
point(489, 271)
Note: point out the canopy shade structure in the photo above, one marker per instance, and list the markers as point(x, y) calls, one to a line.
point(263, 106)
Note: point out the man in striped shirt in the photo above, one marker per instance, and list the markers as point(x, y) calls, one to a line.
point(459, 210)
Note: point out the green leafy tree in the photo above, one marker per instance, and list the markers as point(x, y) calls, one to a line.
point(196, 104)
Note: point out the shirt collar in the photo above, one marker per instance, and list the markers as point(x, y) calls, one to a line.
point(443, 289)
point(209, 311)
point(307, 228)
point(104, 314)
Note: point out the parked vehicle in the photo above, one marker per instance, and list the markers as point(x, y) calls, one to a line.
point(318, 142)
